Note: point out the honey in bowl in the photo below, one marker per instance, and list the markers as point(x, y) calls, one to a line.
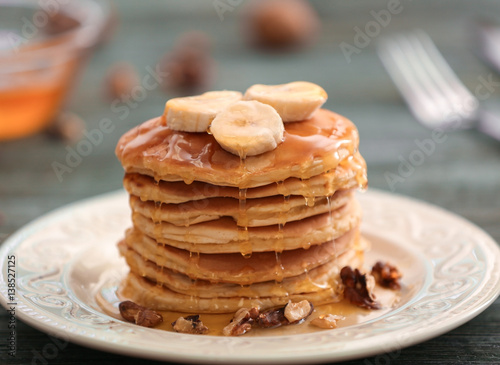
point(26, 109)
point(41, 50)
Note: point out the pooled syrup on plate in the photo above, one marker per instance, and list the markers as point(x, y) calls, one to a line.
point(108, 300)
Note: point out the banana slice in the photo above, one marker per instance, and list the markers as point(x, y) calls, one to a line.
point(195, 113)
point(293, 101)
point(248, 128)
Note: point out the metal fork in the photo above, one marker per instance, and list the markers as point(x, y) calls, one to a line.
point(434, 94)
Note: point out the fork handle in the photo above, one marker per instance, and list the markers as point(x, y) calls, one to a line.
point(489, 123)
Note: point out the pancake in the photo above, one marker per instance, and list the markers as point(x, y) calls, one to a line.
point(309, 148)
point(223, 235)
point(349, 174)
point(246, 213)
point(235, 268)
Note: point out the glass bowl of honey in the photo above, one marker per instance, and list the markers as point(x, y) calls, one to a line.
point(43, 45)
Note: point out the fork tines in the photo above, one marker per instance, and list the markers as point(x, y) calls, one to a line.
point(434, 94)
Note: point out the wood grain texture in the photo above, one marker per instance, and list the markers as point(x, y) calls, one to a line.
point(462, 174)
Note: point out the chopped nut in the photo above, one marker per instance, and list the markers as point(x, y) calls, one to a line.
point(296, 312)
point(140, 315)
point(189, 70)
point(356, 288)
point(121, 80)
point(386, 275)
point(244, 319)
point(190, 324)
point(328, 321)
point(370, 285)
point(282, 24)
point(272, 318)
point(242, 322)
point(67, 126)
point(189, 65)
point(278, 317)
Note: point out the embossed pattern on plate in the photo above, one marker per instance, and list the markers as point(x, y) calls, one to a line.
point(451, 269)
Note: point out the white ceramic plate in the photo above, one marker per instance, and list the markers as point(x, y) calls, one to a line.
point(451, 273)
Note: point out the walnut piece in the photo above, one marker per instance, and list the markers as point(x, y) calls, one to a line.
point(242, 322)
point(386, 275)
point(67, 127)
point(282, 24)
point(296, 312)
point(272, 318)
point(189, 65)
point(121, 80)
point(356, 288)
point(327, 321)
point(190, 324)
point(129, 309)
point(139, 315)
point(244, 319)
point(278, 317)
point(148, 318)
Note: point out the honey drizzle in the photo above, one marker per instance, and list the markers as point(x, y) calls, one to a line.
point(156, 218)
point(330, 220)
point(194, 260)
point(310, 200)
point(281, 188)
point(327, 137)
point(279, 269)
point(357, 164)
point(279, 245)
point(245, 245)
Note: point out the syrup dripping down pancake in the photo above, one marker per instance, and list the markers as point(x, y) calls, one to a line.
point(258, 212)
point(350, 174)
point(223, 235)
point(323, 277)
point(151, 295)
point(233, 267)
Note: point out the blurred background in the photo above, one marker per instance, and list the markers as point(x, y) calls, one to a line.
point(144, 53)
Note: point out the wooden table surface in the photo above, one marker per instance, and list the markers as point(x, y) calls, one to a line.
point(462, 175)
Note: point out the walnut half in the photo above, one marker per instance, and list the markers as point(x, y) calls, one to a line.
point(356, 288)
point(386, 275)
point(139, 315)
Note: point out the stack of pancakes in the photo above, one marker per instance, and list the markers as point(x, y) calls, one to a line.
point(213, 233)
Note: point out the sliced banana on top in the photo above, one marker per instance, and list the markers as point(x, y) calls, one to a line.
point(195, 113)
point(248, 128)
point(294, 101)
